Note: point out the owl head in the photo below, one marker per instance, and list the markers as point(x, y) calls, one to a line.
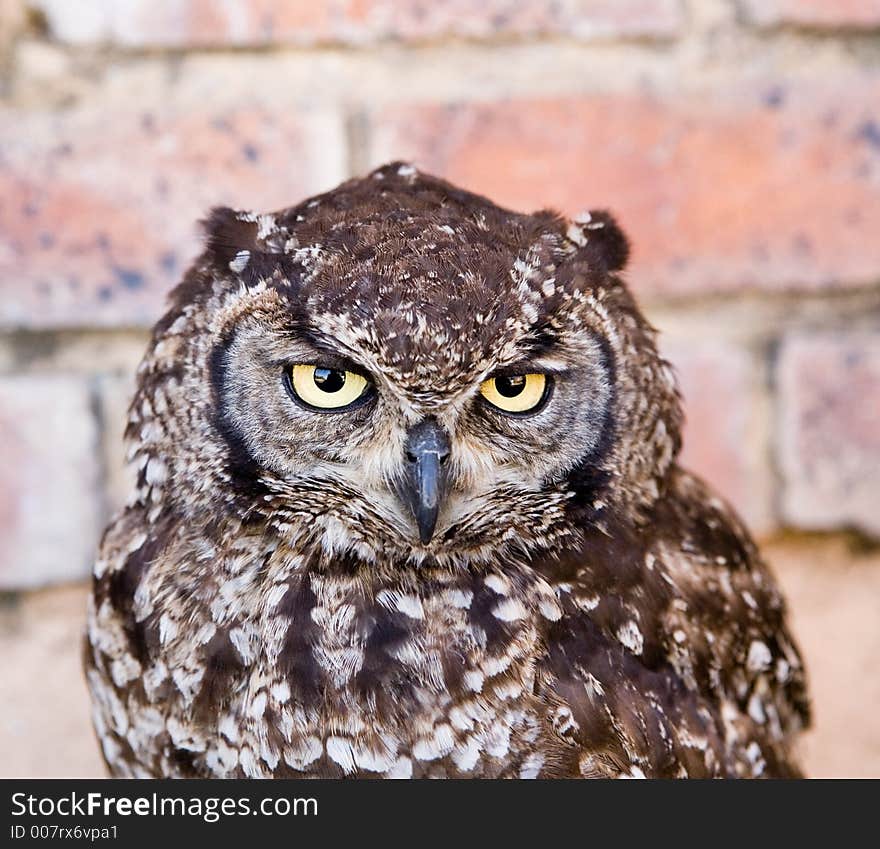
point(402, 367)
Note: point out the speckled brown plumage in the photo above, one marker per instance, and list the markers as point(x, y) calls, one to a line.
point(264, 605)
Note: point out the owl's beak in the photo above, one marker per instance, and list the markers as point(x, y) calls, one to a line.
point(424, 485)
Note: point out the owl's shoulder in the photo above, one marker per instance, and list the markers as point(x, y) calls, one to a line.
point(674, 653)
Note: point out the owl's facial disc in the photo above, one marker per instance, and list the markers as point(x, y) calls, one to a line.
point(415, 462)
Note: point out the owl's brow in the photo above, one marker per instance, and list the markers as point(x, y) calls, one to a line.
point(542, 365)
point(325, 354)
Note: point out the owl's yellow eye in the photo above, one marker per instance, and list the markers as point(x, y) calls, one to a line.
point(327, 388)
point(518, 393)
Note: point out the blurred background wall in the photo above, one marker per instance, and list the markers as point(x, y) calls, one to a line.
point(738, 142)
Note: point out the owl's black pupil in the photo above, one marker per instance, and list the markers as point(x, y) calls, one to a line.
point(510, 387)
point(329, 379)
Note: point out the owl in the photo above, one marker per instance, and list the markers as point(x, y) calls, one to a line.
point(408, 505)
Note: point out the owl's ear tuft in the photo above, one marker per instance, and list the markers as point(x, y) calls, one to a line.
point(601, 240)
point(228, 233)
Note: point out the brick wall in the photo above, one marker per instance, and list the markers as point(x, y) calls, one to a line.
point(737, 140)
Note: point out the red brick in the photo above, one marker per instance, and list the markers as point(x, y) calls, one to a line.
point(817, 14)
point(829, 429)
point(44, 715)
point(183, 23)
point(769, 185)
point(49, 501)
point(724, 431)
point(833, 595)
point(99, 202)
